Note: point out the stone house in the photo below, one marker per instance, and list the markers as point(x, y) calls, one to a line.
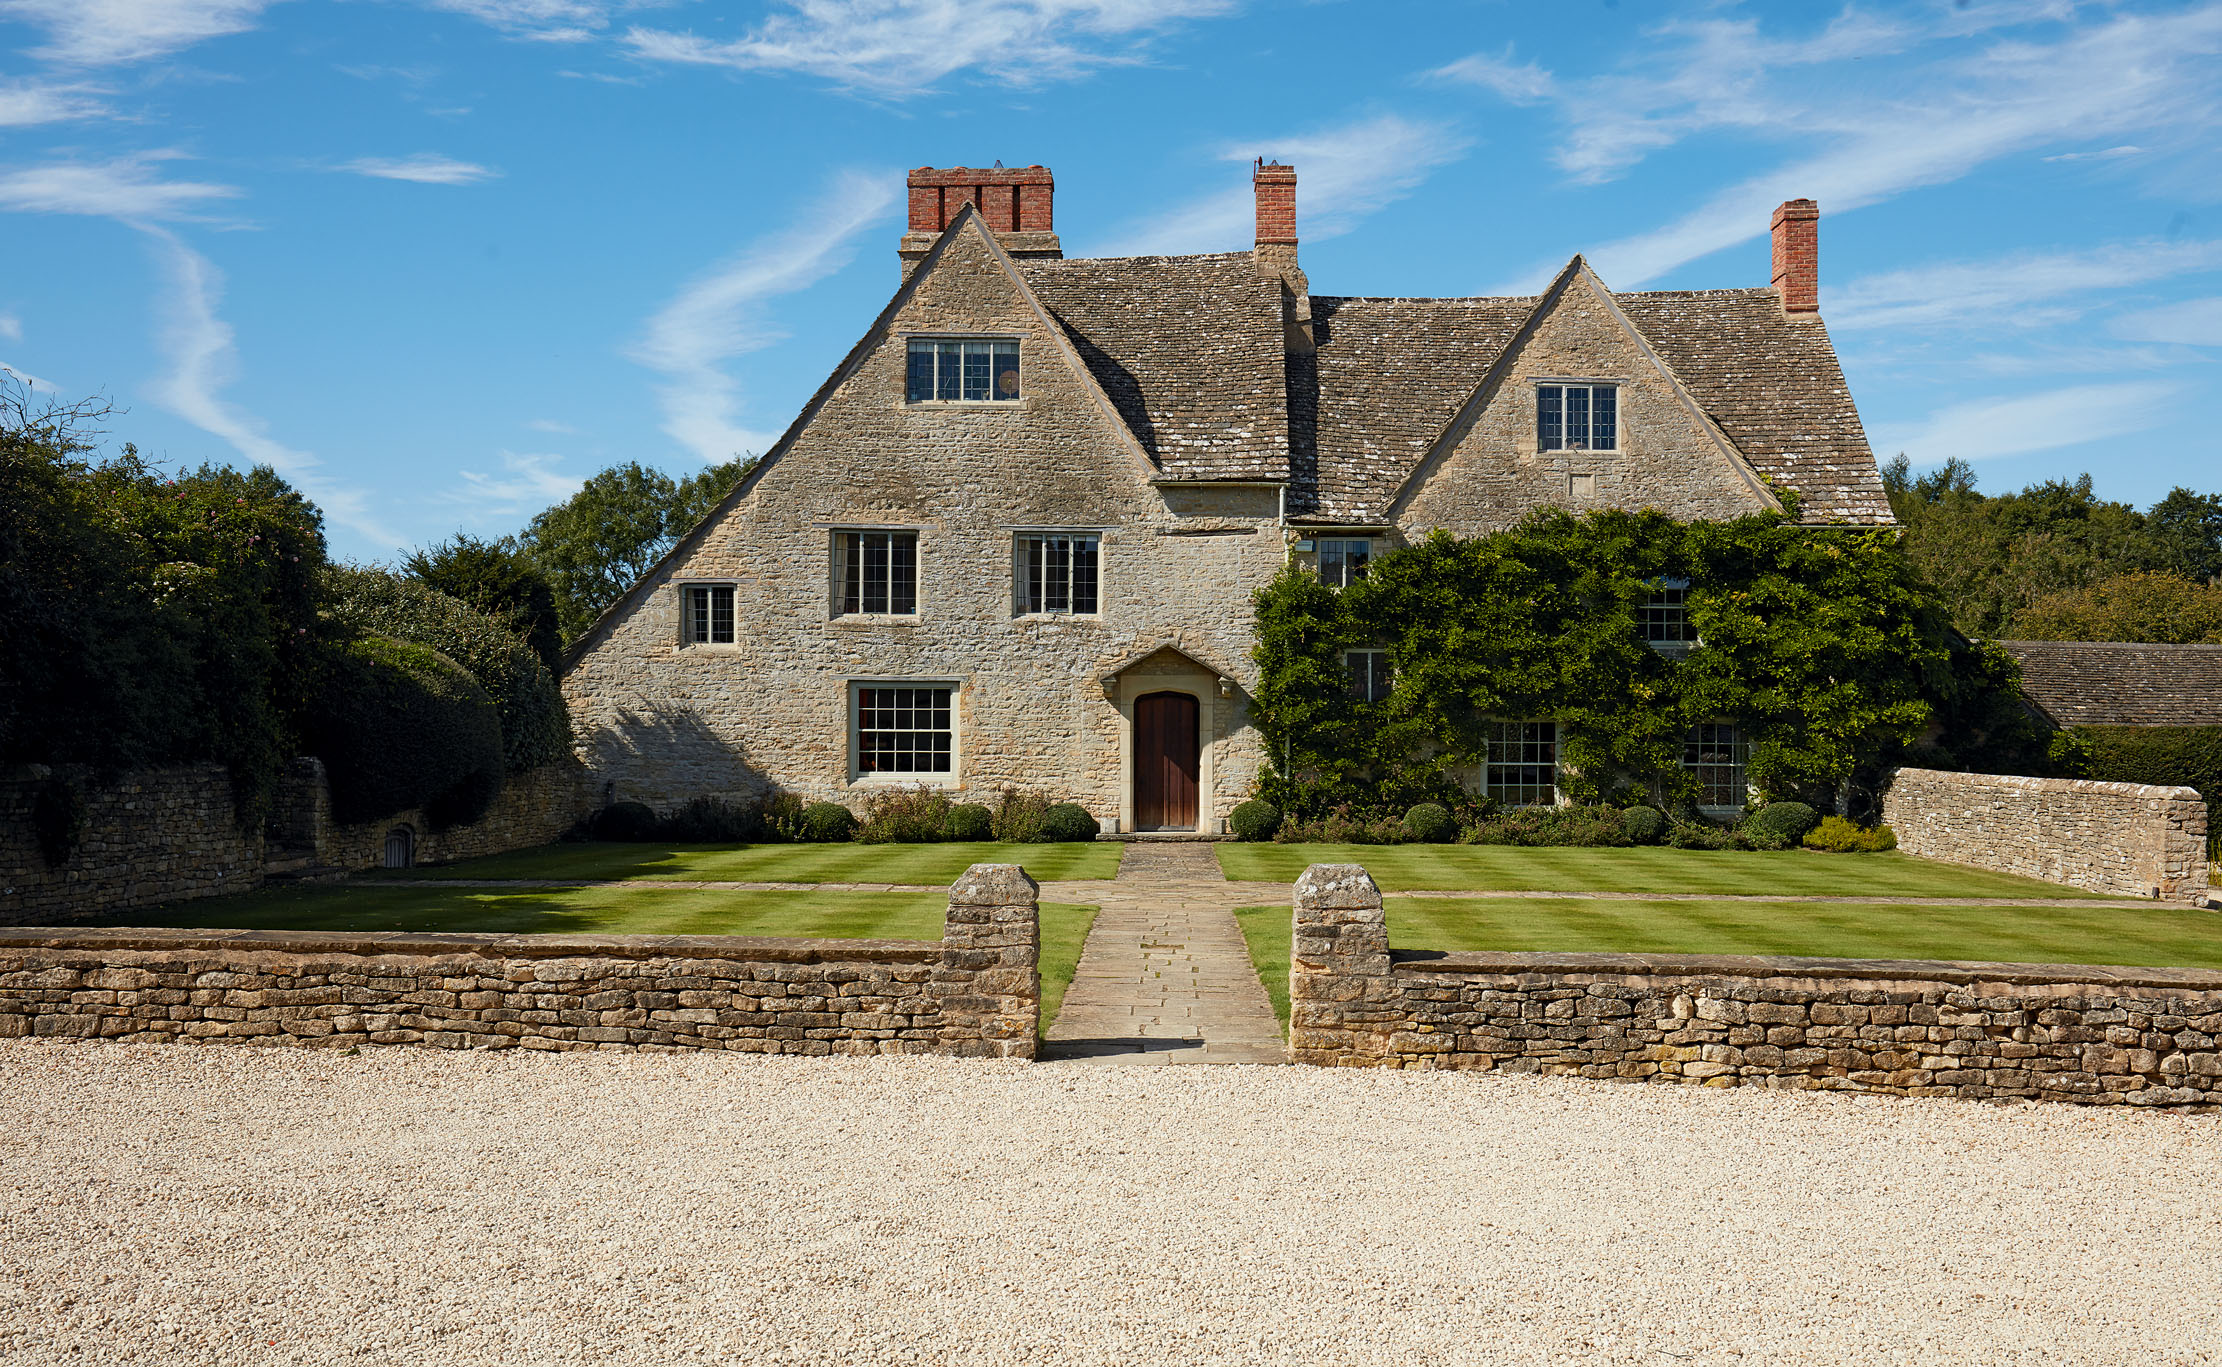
point(1013, 538)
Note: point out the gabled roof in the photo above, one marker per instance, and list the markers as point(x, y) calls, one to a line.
point(1189, 349)
point(2117, 683)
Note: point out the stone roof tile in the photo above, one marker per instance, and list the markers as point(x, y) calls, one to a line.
point(2116, 683)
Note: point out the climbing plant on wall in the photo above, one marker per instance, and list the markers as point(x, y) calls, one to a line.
point(1820, 642)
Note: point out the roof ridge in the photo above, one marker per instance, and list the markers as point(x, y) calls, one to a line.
point(2114, 645)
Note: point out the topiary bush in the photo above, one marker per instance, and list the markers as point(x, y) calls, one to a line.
point(1430, 823)
point(710, 821)
point(1786, 822)
point(826, 823)
point(1256, 819)
point(535, 728)
point(1838, 836)
point(903, 816)
point(625, 821)
point(400, 726)
point(1643, 825)
point(969, 821)
point(1068, 821)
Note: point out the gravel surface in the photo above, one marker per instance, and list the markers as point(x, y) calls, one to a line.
point(233, 1205)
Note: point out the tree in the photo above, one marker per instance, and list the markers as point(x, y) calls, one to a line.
point(594, 546)
point(2189, 528)
point(2132, 607)
point(500, 580)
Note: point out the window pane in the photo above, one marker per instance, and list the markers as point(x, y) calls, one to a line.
point(875, 571)
point(1577, 417)
point(948, 369)
point(721, 616)
point(903, 731)
point(1522, 766)
point(919, 379)
point(902, 589)
point(1006, 370)
point(1037, 555)
point(1604, 418)
point(1713, 752)
point(978, 359)
point(1084, 575)
point(852, 572)
point(1550, 421)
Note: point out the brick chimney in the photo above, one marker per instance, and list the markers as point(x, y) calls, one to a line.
point(1013, 203)
point(1275, 251)
point(1797, 277)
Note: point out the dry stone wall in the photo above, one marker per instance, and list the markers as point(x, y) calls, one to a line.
point(2099, 1036)
point(2130, 839)
point(975, 994)
point(535, 808)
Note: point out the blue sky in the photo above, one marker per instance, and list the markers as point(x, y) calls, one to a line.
point(439, 261)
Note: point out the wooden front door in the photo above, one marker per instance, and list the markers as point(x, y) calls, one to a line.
point(1165, 762)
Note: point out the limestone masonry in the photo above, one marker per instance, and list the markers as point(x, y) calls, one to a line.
point(976, 994)
point(2129, 839)
point(2099, 1036)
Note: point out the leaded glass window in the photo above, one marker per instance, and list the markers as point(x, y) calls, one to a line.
point(1343, 563)
point(1057, 573)
point(952, 370)
point(709, 614)
point(1369, 674)
point(878, 572)
point(903, 730)
point(1522, 770)
point(1577, 417)
point(1713, 752)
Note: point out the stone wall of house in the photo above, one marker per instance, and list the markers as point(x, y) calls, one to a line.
point(169, 835)
point(2125, 838)
point(2100, 1036)
point(663, 720)
point(977, 993)
point(154, 835)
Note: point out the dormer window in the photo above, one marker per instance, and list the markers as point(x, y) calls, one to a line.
point(1577, 417)
point(1665, 617)
point(962, 370)
point(1343, 562)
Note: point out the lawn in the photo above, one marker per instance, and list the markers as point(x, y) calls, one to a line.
point(1510, 868)
point(923, 865)
point(2137, 934)
point(618, 911)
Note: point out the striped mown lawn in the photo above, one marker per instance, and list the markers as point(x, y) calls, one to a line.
point(935, 865)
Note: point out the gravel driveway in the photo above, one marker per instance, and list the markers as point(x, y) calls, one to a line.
point(231, 1205)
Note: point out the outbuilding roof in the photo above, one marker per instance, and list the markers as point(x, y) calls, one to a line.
point(2114, 683)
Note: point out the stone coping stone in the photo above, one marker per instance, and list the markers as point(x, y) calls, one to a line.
point(1784, 966)
point(752, 948)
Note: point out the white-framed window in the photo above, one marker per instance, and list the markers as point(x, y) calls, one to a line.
point(1343, 562)
point(1522, 770)
point(962, 370)
point(1059, 572)
point(1714, 752)
point(1577, 417)
point(706, 615)
point(904, 731)
point(875, 573)
point(1665, 618)
point(1368, 670)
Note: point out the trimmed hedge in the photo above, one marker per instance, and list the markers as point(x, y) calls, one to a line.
point(535, 728)
point(1784, 821)
point(1430, 823)
point(969, 821)
point(625, 821)
point(401, 726)
point(1069, 821)
point(1643, 825)
point(1256, 819)
point(827, 823)
point(2190, 756)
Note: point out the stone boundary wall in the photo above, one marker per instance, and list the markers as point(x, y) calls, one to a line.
point(2130, 839)
point(169, 835)
point(975, 994)
point(2100, 1036)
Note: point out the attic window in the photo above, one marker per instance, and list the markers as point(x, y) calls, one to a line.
point(962, 370)
point(1577, 417)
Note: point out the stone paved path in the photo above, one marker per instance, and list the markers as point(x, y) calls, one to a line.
point(1165, 977)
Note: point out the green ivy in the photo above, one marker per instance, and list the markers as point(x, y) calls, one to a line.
point(1820, 642)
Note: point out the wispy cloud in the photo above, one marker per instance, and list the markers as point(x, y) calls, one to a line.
point(128, 188)
point(202, 359)
point(547, 21)
point(11, 327)
point(903, 47)
point(1344, 175)
point(550, 425)
point(425, 168)
point(2194, 322)
point(720, 314)
point(2024, 289)
point(2150, 74)
point(1984, 429)
point(2108, 154)
point(1526, 83)
point(527, 483)
point(25, 104)
point(115, 32)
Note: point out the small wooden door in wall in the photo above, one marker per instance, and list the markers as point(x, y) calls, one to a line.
point(1165, 762)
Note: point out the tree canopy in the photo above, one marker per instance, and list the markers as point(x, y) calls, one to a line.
point(594, 546)
point(2143, 606)
point(496, 578)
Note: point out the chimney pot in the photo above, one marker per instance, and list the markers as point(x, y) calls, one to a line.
point(1797, 266)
